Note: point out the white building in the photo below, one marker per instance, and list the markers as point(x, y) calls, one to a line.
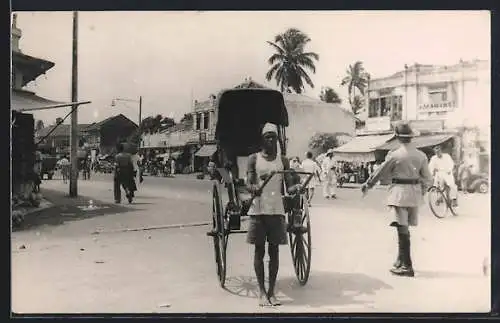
point(434, 99)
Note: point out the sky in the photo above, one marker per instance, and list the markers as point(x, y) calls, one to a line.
point(173, 58)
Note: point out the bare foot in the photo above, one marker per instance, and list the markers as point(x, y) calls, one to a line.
point(264, 301)
point(274, 301)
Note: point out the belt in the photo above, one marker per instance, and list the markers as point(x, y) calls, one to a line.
point(407, 181)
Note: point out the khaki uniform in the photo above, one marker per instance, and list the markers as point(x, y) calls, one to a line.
point(405, 164)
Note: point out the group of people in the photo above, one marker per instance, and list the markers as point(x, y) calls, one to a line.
point(408, 168)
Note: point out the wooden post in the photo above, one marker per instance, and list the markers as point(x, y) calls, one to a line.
point(73, 187)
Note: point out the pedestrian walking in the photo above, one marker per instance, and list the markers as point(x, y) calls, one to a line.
point(64, 163)
point(409, 170)
point(124, 175)
point(267, 214)
point(310, 166)
point(464, 173)
point(330, 176)
point(172, 167)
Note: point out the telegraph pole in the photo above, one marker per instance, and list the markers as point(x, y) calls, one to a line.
point(140, 111)
point(73, 187)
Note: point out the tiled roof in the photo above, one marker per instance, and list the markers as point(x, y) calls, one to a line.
point(99, 124)
point(62, 130)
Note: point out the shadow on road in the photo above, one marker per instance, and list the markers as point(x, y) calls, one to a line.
point(69, 209)
point(323, 288)
point(331, 288)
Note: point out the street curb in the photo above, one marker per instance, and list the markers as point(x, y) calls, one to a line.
point(160, 227)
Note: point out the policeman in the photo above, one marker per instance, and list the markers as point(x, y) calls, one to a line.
point(408, 170)
point(124, 175)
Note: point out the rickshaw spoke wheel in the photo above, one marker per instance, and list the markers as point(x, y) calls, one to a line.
point(220, 236)
point(437, 202)
point(300, 243)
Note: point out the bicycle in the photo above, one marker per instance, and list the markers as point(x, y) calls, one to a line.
point(439, 197)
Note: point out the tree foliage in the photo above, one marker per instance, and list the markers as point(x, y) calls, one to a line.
point(329, 95)
point(357, 104)
point(322, 141)
point(356, 78)
point(290, 61)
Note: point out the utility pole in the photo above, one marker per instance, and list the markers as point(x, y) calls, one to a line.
point(73, 187)
point(140, 110)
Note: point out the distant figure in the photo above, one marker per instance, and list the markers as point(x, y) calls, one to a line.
point(124, 175)
point(330, 175)
point(310, 166)
point(172, 167)
point(441, 167)
point(135, 163)
point(464, 173)
point(64, 163)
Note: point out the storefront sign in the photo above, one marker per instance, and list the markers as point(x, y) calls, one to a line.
point(437, 107)
point(378, 124)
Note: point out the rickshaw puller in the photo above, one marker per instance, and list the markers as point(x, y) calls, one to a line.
point(409, 170)
point(267, 213)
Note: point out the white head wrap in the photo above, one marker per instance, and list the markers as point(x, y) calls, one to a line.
point(270, 127)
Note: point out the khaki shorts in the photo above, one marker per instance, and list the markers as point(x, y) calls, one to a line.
point(407, 216)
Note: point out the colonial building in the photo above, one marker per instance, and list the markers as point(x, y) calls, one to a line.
point(445, 103)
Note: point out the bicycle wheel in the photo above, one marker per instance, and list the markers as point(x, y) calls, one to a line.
point(437, 202)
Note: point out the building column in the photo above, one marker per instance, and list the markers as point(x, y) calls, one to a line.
point(202, 120)
point(195, 118)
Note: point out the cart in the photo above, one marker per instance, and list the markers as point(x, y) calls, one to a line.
point(241, 115)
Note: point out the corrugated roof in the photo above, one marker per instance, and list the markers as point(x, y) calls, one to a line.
point(363, 144)
point(99, 124)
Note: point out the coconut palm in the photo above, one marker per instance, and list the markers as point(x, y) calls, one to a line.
point(356, 78)
point(289, 63)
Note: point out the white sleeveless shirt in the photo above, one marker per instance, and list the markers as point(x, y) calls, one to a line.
point(270, 202)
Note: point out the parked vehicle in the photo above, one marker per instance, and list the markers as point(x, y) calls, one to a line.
point(49, 164)
point(477, 183)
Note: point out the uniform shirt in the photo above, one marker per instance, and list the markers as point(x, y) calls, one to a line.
point(328, 164)
point(406, 162)
point(444, 164)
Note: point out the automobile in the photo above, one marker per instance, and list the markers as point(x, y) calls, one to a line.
point(477, 183)
point(49, 164)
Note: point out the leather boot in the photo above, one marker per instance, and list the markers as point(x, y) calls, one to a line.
point(399, 262)
point(406, 268)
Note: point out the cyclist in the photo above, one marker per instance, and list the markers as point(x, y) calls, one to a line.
point(441, 167)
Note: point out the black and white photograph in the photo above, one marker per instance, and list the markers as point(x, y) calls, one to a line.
point(250, 162)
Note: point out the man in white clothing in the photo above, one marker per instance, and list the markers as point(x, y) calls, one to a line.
point(441, 167)
point(310, 166)
point(330, 175)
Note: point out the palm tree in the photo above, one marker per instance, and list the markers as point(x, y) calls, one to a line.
point(329, 95)
point(290, 61)
point(357, 104)
point(356, 78)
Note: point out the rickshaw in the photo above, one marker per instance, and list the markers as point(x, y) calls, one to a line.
point(241, 115)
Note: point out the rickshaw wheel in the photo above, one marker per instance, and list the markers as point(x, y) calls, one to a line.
point(220, 234)
point(300, 242)
point(437, 202)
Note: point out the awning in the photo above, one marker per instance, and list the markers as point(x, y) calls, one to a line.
point(419, 142)
point(360, 148)
point(28, 101)
point(206, 151)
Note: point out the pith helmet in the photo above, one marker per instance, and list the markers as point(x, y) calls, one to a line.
point(403, 130)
